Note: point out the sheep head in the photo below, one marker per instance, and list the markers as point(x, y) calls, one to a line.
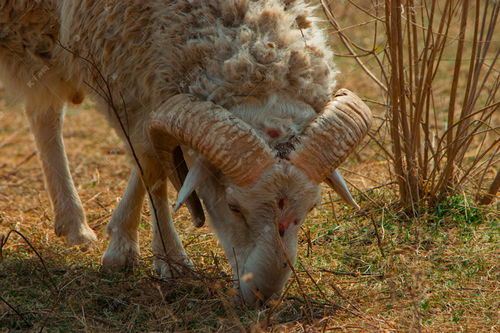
point(256, 194)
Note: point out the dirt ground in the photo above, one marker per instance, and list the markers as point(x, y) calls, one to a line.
point(374, 270)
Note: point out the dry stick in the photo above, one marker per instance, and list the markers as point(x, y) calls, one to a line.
point(492, 191)
point(495, 143)
point(357, 174)
point(468, 139)
point(473, 56)
point(496, 86)
point(24, 161)
point(381, 146)
point(379, 239)
point(381, 19)
point(439, 149)
point(451, 127)
point(476, 132)
point(334, 23)
point(341, 294)
point(295, 275)
point(9, 139)
point(325, 298)
point(373, 135)
point(463, 131)
point(276, 304)
point(469, 103)
point(4, 240)
point(237, 274)
point(430, 148)
point(20, 315)
point(421, 88)
point(337, 289)
point(480, 183)
point(451, 152)
point(353, 274)
point(431, 69)
point(336, 31)
point(493, 160)
point(394, 105)
point(477, 158)
point(481, 50)
point(412, 182)
point(421, 106)
point(333, 208)
point(412, 68)
point(363, 193)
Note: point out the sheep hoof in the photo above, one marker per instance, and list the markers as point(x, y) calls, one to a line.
point(85, 236)
point(169, 269)
point(122, 254)
point(75, 232)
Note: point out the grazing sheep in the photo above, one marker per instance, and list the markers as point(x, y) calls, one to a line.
point(244, 87)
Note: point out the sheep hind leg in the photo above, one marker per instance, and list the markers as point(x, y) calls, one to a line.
point(46, 120)
point(123, 248)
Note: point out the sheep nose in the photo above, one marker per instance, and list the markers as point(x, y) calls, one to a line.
point(281, 229)
point(285, 223)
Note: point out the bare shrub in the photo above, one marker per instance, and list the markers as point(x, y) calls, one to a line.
point(433, 63)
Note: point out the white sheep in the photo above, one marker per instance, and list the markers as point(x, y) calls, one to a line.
point(243, 86)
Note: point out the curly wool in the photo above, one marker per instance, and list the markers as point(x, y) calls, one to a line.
point(225, 51)
point(260, 50)
point(29, 62)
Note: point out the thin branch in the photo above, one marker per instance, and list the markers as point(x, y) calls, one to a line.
point(19, 314)
point(334, 23)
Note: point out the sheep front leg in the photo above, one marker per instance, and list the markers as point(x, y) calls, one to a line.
point(123, 248)
point(170, 257)
point(46, 120)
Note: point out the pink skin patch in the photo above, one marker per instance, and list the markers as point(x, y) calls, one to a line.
point(273, 133)
point(284, 221)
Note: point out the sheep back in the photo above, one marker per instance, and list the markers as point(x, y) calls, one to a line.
point(225, 51)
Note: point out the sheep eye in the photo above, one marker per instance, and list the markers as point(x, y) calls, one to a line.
point(235, 209)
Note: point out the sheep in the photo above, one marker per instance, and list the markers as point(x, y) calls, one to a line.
point(241, 89)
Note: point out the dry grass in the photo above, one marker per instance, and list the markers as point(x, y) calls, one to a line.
point(440, 273)
point(382, 269)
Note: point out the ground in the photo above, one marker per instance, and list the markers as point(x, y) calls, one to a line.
point(374, 270)
point(382, 269)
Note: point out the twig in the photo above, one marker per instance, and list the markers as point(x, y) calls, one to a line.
point(341, 294)
point(379, 239)
point(4, 240)
point(492, 191)
point(353, 274)
point(334, 23)
point(19, 314)
point(24, 161)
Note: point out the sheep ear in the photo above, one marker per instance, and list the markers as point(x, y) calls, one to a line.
point(178, 178)
point(195, 177)
point(337, 183)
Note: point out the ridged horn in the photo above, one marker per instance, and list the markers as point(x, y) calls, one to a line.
point(332, 136)
point(226, 141)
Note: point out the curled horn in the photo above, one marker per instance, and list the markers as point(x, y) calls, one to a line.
point(227, 142)
point(332, 136)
